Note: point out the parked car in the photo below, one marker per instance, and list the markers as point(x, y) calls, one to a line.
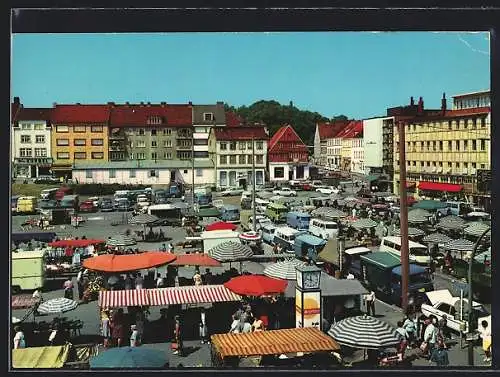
point(123, 204)
point(95, 200)
point(441, 303)
point(306, 186)
point(232, 191)
point(285, 191)
point(143, 201)
point(46, 180)
point(316, 184)
point(87, 206)
point(107, 205)
point(328, 190)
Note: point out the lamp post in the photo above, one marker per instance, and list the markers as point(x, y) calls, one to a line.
point(470, 349)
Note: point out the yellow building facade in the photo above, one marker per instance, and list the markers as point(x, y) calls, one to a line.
point(448, 149)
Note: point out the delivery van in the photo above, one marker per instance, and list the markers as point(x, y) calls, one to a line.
point(323, 228)
point(28, 270)
point(298, 220)
point(26, 205)
point(418, 253)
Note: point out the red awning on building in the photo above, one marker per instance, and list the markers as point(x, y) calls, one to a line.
point(123, 298)
point(435, 186)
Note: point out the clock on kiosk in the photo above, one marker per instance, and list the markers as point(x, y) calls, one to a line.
point(308, 296)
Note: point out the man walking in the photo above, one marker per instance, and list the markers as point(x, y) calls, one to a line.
point(370, 303)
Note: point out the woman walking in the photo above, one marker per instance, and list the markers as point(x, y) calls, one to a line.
point(118, 328)
point(105, 327)
point(177, 344)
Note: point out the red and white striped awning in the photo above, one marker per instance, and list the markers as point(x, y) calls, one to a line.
point(191, 295)
point(128, 297)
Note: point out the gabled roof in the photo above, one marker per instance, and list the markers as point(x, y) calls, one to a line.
point(329, 130)
point(80, 114)
point(219, 116)
point(14, 108)
point(240, 133)
point(353, 129)
point(281, 132)
point(26, 113)
point(233, 120)
point(137, 115)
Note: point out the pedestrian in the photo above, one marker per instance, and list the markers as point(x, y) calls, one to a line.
point(118, 327)
point(203, 327)
point(485, 332)
point(411, 328)
point(177, 343)
point(134, 336)
point(19, 340)
point(105, 327)
point(163, 247)
point(128, 282)
point(430, 335)
point(403, 338)
point(139, 281)
point(139, 322)
point(443, 328)
point(197, 277)
point(208, 277)
point(370, 303)
point(160, 283)
point(68, 289)
point(440, 355)
point(234, 325)
point(170, 247)
point(79, 283)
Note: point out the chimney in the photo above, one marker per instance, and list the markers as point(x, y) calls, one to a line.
point(142, 103)
point(291, 103)
point(190, 103)
point(111, 104)
point(420, 108)
point(163, 104)
point(17, 101)
point(220, 103)
point(54, 104)
point(78, 103)
point(412, 101)
point(127, 103)
point(443, 104)
point(149, 104)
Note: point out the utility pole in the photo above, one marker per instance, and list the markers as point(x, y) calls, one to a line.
point(254, 222)
point(403, 217)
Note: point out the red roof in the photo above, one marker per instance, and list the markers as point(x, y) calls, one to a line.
point(240, 133)
point(14, 108)
point(434, 186)
point(353, 129)
point(285, 131)
point(449, 114)
point(330, 130)
point(286, 146)
point(138, 115)
point(233, 120)
point(26, 113)
point(62, 114)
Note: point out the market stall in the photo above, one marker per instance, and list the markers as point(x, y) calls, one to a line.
point(40, 357)
point(271, 342)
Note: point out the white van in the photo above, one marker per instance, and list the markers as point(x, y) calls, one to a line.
point(285, 236)
point(323, 228)
point(49, 193)
point(418, 253)
point(261, 205)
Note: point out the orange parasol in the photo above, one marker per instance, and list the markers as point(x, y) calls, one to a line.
point(197, 259)
point(128, 262)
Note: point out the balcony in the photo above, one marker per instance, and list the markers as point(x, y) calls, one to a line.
point(117, 148)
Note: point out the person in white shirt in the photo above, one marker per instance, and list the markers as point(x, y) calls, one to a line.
point(19, 341)
point(139, 281)
point(430, 334)
point(486, 337)
point(134, 337)
point(350, 276)
point(370, 303)
point(159, 282)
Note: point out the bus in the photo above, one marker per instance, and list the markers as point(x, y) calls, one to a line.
point(418, 253)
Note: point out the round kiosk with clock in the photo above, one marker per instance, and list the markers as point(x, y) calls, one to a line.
point(308, 296)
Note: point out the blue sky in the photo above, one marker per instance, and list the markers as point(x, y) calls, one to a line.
point(356, 74)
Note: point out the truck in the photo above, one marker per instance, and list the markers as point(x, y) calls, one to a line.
point(230, 213)
point(170, 214)
point(298, 220)
point(26, 205)
point(276, 212)
point(247, 221)
point(307, 246)
point(28, 270)
point(381, 272)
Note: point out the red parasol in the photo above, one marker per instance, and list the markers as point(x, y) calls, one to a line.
point(256, 285)
point(75, 243)
point(220, 225)
point(128, 262)
point(197, 259)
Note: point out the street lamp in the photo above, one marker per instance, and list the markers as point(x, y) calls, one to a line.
point(471, 260)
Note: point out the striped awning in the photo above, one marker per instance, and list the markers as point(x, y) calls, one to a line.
point(273, 342)
point(191, 295)
point(123, 298)
point(23, 301)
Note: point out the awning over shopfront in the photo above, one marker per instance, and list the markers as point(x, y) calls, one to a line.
point(167, 296)
point(40, 357)
point(436, 186)
point(123, 298)
point(273, 342)
point(191, 295)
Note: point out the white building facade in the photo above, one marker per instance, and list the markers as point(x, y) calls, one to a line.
point(357, 156)
point(334, 152)
point(373, 135)
point(31, 148)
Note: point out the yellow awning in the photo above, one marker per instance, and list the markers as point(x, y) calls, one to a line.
point(40, 357)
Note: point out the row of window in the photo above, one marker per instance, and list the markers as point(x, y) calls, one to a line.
point(465, 165)
point(133, 173)
point(456, 179)
point(242, 159)
point(469, 103)
point(26, 139)
point(460, 145)
point(242, 145)
point(154, 144)
point(61, 128)
point(80, 155)
point(31, 126)
point(233, 178)
point(28, 152)
point(450, 125)
point(79, 142)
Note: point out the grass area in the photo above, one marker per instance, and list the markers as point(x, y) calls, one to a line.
point(30, 189)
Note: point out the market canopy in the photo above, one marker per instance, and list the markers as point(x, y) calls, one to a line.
point(459, 245)
point(143, 219)
point(40, 357)
point(330, 252)
point(331, 287)
point(477, 228)
point(120, 240)
point(220, 225)
point(128, 262)
point(437, 238)
point(189, 294)
point(364, 224)
point(256, 285)
point(451, 222)
point(75, 243)
point(286, 270)
point(130, 358)
point(196, 259)
point(412, 232)
point(230, 251)
point(273, 342)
